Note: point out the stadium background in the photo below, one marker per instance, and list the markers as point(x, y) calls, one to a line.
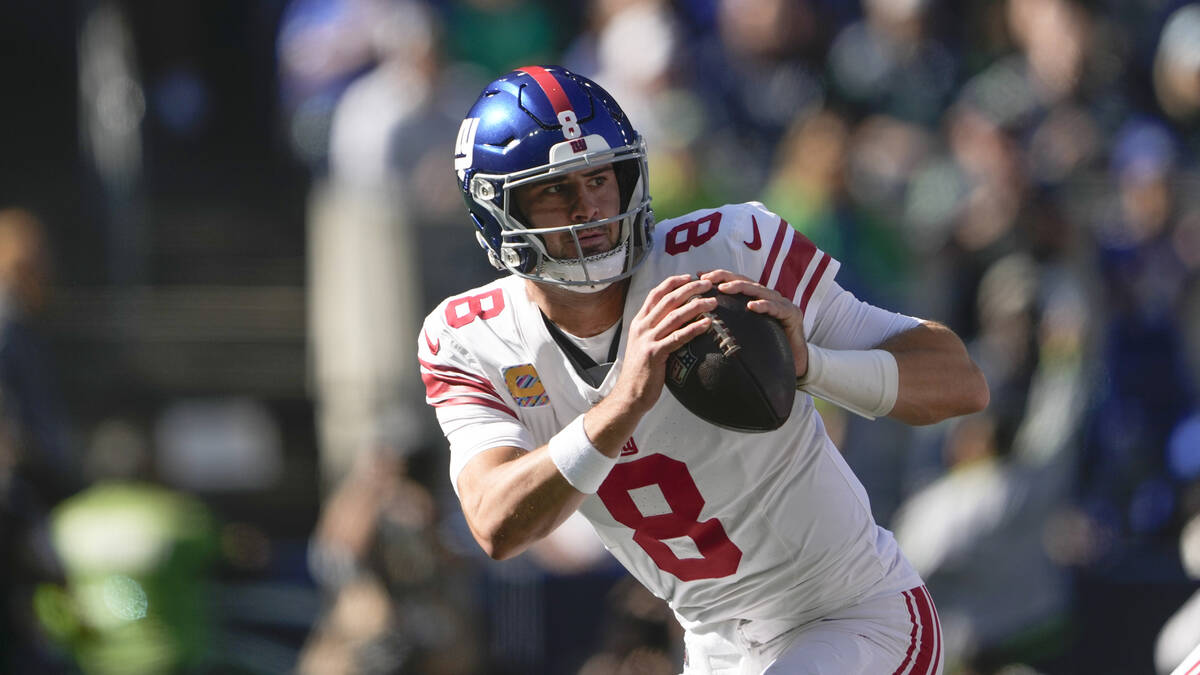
point(223, 220)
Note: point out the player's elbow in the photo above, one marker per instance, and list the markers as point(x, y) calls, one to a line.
point(970, 396)
point(495, 548)
point(979, 395)
point(963, 393)
point(498, 539)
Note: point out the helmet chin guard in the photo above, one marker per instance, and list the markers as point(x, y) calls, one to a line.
point(607, 267)
point(536, 123)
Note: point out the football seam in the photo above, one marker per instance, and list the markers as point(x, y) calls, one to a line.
point(729, 346)
point(725, 339)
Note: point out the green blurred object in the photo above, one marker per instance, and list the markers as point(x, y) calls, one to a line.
point(503, 35)
point(136, 558)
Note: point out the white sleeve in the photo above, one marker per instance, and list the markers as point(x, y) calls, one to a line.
point(471, 411)
point(471, 429)
point(845, 322)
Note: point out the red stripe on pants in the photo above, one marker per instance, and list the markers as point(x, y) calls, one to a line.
point(924, 650)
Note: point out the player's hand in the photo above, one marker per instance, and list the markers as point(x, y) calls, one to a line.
point(670, 316)
point(770, 302)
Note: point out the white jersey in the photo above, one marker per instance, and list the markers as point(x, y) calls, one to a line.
point(766, 527)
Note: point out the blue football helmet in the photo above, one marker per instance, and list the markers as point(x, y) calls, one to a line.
point(536, 123)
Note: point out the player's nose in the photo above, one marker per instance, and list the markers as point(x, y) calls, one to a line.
point(585, 207)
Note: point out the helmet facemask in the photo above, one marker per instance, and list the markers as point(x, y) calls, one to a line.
point(522, 248)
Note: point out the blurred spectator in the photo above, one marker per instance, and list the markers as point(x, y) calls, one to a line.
point(398, 601)
point(756, 70)
point(1177, 65)
point(27, 386)
point(890, 62)
point(1146, 388)
point(322, 46)
point(808, 183)
point(38, 468)
point(365, 275)
point(640, 635)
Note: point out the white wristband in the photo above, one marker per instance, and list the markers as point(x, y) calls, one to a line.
point(584, 467)
point(863, 382)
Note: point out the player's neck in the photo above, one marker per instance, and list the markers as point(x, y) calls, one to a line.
point(580, 314)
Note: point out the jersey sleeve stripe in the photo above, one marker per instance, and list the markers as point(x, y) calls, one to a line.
point(450, 371)
point(775, 246)
point(814, 281)
point(444, 382)
point(435, 381)
point(794, 265)
point(473, 400)
point(454, 391)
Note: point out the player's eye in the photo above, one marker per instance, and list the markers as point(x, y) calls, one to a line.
point(556, 191)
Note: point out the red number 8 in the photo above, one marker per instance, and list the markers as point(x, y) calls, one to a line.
point(462, 311)
point(692, 234)
point(720, 555)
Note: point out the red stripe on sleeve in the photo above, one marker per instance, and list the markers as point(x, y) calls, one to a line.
point(444, 380)
point(454, 372)
point(550, 86)
point(437, 385)
point(799, 255)
point(474, 400)
point(814, 281)
point(775, 246)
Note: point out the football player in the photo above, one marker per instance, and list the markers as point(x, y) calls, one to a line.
point(548, 386)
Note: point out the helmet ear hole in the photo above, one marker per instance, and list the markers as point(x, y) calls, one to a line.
point(628, 172)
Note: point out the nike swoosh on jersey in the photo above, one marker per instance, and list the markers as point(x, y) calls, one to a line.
point(434, 346)
point(755, 243)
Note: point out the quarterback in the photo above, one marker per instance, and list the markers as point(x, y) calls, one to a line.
point(548, 384)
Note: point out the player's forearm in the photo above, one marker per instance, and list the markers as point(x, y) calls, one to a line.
point(520, 498)
point(611, 422)
point(518, 502)
point(938, 379)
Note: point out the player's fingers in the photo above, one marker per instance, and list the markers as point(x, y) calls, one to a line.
point(664, 287)
point(780, 309)
point(683, 314)
point(682, 336)
point(676, 298)
point(750, 288)
point(721, 276)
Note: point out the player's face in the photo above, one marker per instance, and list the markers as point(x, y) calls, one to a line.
point(578, 197)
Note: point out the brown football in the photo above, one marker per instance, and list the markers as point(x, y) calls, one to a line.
point(739, 374)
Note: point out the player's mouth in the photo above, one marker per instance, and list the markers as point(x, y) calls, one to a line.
point(595, 240)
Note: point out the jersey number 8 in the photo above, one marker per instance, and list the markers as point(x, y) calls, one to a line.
point(719, 555)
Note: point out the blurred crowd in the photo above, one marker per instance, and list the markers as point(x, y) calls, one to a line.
point(1024, 171)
